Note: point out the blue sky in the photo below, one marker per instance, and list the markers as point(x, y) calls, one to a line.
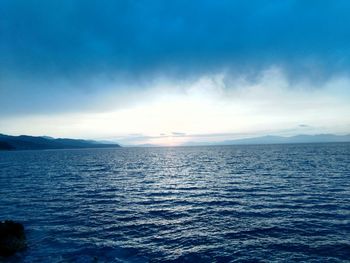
point(148, 71)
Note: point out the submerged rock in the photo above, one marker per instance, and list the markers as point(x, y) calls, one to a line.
point(12, 238)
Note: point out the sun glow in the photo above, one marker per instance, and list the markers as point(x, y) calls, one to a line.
point(171, 116)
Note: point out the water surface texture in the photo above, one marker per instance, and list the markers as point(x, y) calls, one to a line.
point(267, 203)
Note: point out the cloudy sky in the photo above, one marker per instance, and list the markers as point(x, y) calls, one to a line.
point(170, 72)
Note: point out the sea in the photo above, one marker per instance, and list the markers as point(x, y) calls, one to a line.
point(249, 203)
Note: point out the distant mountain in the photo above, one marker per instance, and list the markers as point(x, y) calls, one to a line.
point(270, 139)
point(145, 145)
point(24, 142)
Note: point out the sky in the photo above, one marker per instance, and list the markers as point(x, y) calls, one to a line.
point(173, 72)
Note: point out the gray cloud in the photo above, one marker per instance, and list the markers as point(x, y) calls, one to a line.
point(51, 51)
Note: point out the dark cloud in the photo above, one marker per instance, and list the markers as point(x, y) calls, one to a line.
point(73, 37)
point(131, 41)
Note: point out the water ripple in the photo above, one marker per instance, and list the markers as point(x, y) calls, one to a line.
point(270, 203)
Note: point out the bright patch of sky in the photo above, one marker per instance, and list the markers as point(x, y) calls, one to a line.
point(207, 109)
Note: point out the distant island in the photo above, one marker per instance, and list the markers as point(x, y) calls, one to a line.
point(24, 142)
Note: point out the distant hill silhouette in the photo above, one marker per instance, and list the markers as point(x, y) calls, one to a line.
point(293, 139)
point(270, 139)
point(24, 142)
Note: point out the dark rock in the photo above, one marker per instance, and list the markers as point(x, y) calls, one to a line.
point(12, 238)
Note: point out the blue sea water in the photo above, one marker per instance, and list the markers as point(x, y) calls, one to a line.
point(267, 203)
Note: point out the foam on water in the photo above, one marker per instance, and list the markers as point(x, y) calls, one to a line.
point(185, 204)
